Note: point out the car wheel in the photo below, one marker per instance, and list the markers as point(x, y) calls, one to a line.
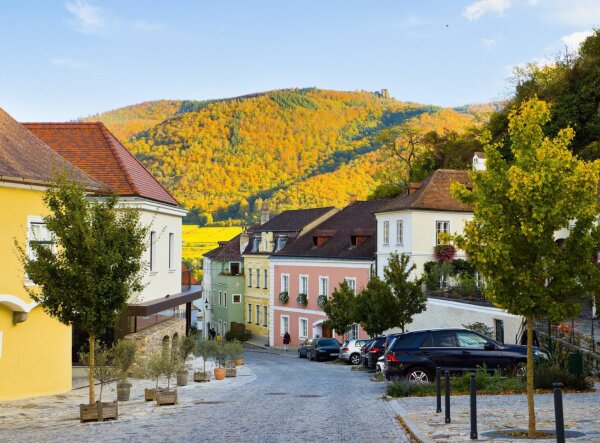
point(520, 370)
point(299, 355)
point(418, 376)
point(355, 359)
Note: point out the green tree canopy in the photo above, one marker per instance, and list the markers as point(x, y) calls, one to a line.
point(340, 309)
point(376, 307)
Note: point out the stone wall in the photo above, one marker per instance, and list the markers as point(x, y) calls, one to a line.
point(158, 336)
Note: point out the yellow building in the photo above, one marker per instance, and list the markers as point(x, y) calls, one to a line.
point(262, 241)
point(35, 349)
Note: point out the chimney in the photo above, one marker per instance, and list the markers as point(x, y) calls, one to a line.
point(412, 187)
point(244, 240)
point(264, 213)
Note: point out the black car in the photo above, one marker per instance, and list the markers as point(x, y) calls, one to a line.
point(364, 353)
point(416, 355)
point(374, 350)
point(303, 348)
point(323, 349)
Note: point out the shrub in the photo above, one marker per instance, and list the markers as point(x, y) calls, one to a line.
point(187, 345)
point(232, 335)
point(302, 299)
point(403, 388)
point(545, 375)
point(284, 297)
point(123, 358)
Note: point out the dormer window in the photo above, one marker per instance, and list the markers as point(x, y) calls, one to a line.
point(281, 241)
point(255, 244)
point(356, 240)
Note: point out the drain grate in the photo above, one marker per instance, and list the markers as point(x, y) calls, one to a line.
point(277, 393)
point(202, 402)
point(310, 396)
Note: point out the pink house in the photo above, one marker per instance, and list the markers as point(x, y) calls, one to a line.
point(341, 248)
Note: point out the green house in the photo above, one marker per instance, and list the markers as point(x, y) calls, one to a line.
point(226, 285)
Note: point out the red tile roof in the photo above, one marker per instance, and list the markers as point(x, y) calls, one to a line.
point(25, 158)
point(91, 147)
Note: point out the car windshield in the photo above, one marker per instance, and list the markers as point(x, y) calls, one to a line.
point(346, 343)
point(329, 342)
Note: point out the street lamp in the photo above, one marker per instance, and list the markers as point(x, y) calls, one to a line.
point(206, 309)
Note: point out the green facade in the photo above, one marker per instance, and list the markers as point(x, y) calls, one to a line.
point(228, 294)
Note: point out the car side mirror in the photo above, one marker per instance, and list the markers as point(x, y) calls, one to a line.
point(489, 346)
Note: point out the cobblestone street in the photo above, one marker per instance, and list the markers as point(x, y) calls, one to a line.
point(285, 399)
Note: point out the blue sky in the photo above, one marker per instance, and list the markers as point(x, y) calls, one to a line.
point(65, 59)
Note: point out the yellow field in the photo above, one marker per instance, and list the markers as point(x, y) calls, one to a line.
point(198, 240)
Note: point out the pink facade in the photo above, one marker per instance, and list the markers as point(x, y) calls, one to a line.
point(325, 275)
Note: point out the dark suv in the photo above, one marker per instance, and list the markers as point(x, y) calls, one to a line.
point(372, 351)
point(323, 349)
point(415, 355)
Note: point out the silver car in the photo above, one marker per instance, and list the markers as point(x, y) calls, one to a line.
point(350, 350)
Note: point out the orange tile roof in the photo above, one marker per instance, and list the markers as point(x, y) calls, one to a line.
point(91, 147)
point(26, 159)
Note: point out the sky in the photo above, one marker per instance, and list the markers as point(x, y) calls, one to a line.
point(66, 59)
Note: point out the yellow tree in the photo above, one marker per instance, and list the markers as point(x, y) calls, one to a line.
point(518, 207)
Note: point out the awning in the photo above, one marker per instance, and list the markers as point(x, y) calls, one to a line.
point(161, 304)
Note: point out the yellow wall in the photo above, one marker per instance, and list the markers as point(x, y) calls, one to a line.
point(257, 296)
point(36, 354)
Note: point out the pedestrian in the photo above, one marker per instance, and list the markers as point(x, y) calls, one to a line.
point(286, 339)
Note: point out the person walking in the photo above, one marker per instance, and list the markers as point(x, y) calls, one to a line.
point(286, 340)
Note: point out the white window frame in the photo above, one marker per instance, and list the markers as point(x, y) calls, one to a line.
point(285, 282)
point(233, 296)
point(399, 232)
point(37, 220)
point(324, 278)
point(153, 251)
point(224, 327)
point(442, 223)
point(300, 335)
point(265, 316)
point(220, 327)
point(386, 233)
point(300, 291)
point(282, 324)
point(354, 332)
point(172, 251)
point(258, 309)
point(351, 283)
point(249, 313)
point(220, 298)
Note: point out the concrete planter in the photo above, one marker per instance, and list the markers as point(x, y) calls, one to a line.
point(99, 411)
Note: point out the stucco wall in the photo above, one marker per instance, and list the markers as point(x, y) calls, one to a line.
point(257, 296)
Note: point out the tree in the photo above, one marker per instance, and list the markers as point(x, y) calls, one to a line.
point(340, 309)
point(518, 207)
point(376, 307)
point(95, 267)
point(410, 299)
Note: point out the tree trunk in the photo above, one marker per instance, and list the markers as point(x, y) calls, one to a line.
point(530, 400)
point(92, 340)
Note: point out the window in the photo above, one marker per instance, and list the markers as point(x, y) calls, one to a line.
point(258, 314)
point(220, 328)
point(236, 298)
point(224, 327)
point(285, 324)
point(351, 283)
point(234, 268)
point(303, 328)
point(249, 277)
point(258, 278)
point(324, 286)
point(281, 241)
point(265, 316)
point(38, 234)
point(470, 340)
point(171, 251)
point(386, 233)
point(353, 334)
point(153, 251)
point(285, 283)
point(399, 232)
point(443, 339)
point(220, 298)
point(265, 279)
point(249, 313)
point(304, 284)
point(255, 244)
point(441, 227)
point(499, 327)
point(224, 299)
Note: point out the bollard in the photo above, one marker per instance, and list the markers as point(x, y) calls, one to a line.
point(473, 406)
point(447, 396)
point(438, 390)
point(558, 413)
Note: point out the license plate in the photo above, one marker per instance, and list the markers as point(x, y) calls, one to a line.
point(334, 354)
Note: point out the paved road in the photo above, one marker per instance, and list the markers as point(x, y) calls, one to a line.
point(338, 405)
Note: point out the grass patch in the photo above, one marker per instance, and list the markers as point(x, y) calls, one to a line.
point(337, 361)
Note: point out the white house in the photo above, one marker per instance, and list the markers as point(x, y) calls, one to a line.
point(410, 224)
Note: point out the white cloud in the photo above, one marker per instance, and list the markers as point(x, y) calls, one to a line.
point(573, 41)
point(68, 62)
point(581, 13)
point(479, 8)
point(489, 43)
point(87, 19)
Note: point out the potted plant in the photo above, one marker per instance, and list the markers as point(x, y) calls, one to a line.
point(123, 358)
point(204, 349)
point(233, 351)
point(321, 301)
point(220, 357)
point(186, 348)
point(171, 363)
point(153, 369)
point(104, 373)
point(284, 297)
point(302, 299)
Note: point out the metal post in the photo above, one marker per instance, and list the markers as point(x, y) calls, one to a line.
point(438, 390)
point(447, 396)
point(473, 406)
point(558, 413)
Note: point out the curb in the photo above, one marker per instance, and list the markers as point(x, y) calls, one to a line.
point(410, 426)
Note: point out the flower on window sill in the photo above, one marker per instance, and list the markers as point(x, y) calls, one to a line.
point(321, 301)
point(302, 299)
point(283, 297)
point(444, 253)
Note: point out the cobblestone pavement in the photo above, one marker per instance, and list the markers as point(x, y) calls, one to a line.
point(505, 413)
point(275, 398)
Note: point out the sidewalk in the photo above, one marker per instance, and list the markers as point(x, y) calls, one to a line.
point(254, 343)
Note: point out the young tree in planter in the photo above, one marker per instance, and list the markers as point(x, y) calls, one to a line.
point(204, 349)
point(96, 266)
point(123, 358)
point(340, 309)
point(102, 370)
point(410, 299)
point(376, 307)
point(518, 208)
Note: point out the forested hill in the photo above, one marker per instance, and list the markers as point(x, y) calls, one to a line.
point(297, 147)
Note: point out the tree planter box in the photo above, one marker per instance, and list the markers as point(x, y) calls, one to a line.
point(150, 394)
point(201, 376)
point(231, 372)
point(166, 397)
point(182, 378)
point(123, 391)
point(99, 411)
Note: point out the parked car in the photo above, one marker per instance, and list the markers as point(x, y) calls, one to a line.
point(351, 350)
point(303, 348)
point(364, 353)
point(416, 355)
point(380, 364)
point(374, 351)
point(323, 349)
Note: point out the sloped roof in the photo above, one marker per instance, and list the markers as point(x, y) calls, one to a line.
point(355, 219)
point(91, 147)
point(25, 158)
point(227, 251)
point(293, 221)
point(432, 194)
